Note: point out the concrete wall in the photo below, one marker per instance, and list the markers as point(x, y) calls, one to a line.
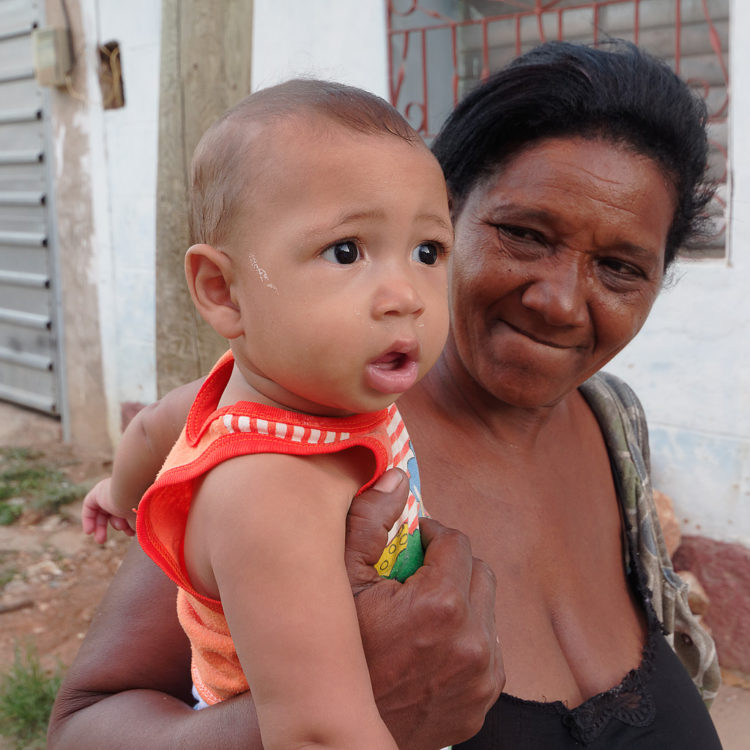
point(76, 156)
point(337, 39)
point(105, 173)
point(130, 141)
point(125, 140)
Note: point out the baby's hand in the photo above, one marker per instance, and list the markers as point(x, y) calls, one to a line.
point(99, 509)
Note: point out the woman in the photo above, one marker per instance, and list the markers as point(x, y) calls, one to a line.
point(575, 176)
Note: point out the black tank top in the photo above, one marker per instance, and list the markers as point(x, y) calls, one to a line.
point(655, 707)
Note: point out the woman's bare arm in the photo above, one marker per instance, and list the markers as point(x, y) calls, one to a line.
point(430, 645)
point(130, 682)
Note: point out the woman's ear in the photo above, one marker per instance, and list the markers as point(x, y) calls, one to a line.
point(209, 277)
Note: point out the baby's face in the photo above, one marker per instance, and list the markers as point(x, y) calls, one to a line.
point(341, 262)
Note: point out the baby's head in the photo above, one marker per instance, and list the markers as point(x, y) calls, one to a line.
point(321, 228)
point(231, 154)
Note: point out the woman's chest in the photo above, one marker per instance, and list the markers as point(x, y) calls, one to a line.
point(550, 528)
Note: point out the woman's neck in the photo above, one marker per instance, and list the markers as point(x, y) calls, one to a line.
point(450, 393)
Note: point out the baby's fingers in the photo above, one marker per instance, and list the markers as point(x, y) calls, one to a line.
point(90, 513)
point(121, 524)
point(100, 532)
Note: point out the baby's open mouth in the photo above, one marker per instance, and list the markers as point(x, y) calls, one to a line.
point(396, 370)
point(392, 361)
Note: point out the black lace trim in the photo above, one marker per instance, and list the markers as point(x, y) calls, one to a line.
point(630, 702)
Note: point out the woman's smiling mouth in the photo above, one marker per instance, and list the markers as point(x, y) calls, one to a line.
point(540, 340)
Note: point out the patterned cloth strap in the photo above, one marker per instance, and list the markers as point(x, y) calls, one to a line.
point(623, 424)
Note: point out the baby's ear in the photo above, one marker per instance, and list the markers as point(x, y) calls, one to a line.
point(209, 276)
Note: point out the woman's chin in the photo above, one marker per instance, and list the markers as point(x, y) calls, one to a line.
point(526, 391)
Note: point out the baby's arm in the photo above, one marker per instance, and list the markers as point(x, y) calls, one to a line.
point(290, 611)
point(145, 444)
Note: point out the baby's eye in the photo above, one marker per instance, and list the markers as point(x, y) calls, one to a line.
point(426, 252)
point(342, 252)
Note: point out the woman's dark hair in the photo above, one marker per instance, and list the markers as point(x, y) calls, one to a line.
point(616, 92)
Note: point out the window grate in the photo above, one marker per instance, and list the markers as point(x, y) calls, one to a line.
point(440, 49)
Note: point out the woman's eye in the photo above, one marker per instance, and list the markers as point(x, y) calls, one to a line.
point(621, 268)
point(520, 233)
point(342, 252)
point(426, 252)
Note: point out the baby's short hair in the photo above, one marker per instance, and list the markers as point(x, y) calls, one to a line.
point(219, 176)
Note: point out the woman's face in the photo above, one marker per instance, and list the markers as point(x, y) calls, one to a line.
point(557, 261)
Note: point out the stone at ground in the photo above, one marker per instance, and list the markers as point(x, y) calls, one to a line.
point(724, 571)
point(51, 574)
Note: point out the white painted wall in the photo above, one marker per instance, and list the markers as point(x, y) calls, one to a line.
point(335, 39)
point(690, 365)
point(131, 141)
point(94, 175)
point(339, 40)
point(124, 141)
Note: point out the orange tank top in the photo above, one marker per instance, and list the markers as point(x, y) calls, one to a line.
point(212, 435)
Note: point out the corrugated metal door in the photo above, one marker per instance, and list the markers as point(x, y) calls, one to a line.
point(29, 331)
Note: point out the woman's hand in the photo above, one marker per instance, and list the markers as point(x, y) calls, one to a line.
point(430, 643)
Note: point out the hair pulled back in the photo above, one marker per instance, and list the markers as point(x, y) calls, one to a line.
point(617, 93)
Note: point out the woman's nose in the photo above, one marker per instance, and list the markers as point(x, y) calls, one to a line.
point(558, 294)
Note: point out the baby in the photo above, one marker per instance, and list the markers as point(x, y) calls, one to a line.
point(321, 229)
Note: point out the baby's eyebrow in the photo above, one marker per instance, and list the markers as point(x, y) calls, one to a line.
point(377, 214)
point(436, 219)
point(374, 214)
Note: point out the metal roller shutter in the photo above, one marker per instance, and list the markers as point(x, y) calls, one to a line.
point(29, 330)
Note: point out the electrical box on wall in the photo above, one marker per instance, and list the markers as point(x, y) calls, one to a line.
point(52, 57)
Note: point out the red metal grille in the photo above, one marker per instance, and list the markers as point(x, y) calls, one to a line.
point(439, 49)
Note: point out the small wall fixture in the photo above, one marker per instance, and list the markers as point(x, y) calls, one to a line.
point(53, 59)
point(110, 76)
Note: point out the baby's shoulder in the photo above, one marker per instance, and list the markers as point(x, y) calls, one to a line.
point(263, 478)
